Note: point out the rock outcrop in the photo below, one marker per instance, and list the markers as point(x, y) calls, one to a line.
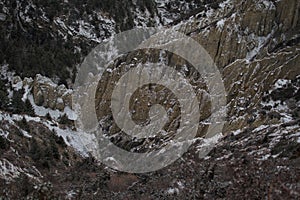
point(250, 42)
point(50, 95)
point(244, 29)
point(254, 43)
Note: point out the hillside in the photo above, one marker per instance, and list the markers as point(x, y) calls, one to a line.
point(255, 46)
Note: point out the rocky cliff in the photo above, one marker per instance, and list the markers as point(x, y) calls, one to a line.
point(255, 45)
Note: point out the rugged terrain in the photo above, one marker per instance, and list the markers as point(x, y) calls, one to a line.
point(255, 45)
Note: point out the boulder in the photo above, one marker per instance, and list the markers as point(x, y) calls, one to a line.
point(50, 95)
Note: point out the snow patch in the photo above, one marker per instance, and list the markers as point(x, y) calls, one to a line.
point(83, 143)
point(173, 191)
point(225, 4)
point(237, 132)
point(4, 134)
point(261, 41)
point(220, 24)
point(280, 83)
point(265, 5)
point(8, 171)
point(55, 114)
point(262, 127)
point(26, 134)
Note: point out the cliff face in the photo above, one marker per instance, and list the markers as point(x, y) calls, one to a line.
point(255, 45)
point(245, 29)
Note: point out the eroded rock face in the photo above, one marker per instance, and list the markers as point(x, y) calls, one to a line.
point(147, 96)
point(254, 43)
point(244, 29)
point(50, 95)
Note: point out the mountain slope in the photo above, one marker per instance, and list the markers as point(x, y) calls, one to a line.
point(255, 45)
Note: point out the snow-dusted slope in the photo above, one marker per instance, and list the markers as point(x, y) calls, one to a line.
point(254, 43)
